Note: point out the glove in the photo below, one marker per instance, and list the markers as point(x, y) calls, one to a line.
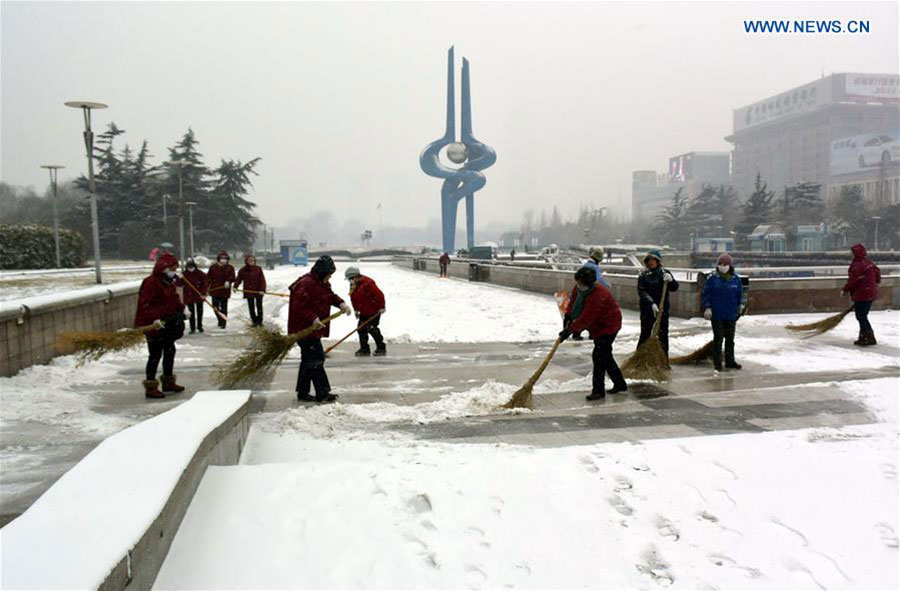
point(227, 285)
point(655, 309)
point(564, 334)
point(566, 320)
point(382, 311)
point(318, 324)
point(707, 314)
point(158, 324)
point(345, 309)
point(667, 276)
point(188, 314)
point(843, 293)
point(356, 312)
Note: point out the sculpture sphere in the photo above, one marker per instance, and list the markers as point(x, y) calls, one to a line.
point(457, 152)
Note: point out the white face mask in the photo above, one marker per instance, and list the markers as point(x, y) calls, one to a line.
point(170, 273)
point(723, 269)
point(223, 261)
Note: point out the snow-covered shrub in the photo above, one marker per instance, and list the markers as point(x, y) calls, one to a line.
point(32, 247)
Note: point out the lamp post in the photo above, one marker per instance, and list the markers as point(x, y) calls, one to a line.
point(876, 218)
point(181, 204)
point(53, 169)
point(190, 206)
point(86, 107)
point(165, 198)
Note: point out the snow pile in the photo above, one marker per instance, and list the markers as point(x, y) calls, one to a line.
point(771, 510)
point(363, 420)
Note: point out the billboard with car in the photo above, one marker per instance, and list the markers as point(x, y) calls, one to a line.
point(868, 151)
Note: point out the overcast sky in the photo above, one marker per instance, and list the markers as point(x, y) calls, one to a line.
point(338, 99)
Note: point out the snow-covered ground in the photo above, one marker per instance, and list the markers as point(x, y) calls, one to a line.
point(15, 285)
point(323, 502)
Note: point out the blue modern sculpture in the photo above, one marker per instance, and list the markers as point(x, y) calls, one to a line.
point(472, 154)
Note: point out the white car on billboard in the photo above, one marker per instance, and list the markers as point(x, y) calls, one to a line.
point(879, 149)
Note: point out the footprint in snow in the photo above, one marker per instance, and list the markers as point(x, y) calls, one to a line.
point(889, 471)
point(887, 535)
point(655, 567)
point(619, 504)
point(667, 529)
point(420, 503)
point(726, 469)
point(497, 505)
point(622, 484)
point(723, 560)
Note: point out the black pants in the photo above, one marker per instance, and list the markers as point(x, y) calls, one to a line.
point(605, 364)
point(196, 320)
point(163, 348)
point(647, 321)
point(371, 328)
point(443, 270)
point(221, 304)
point(861, 309)
point(723, 329)
point(255, 306)
point(312, 368)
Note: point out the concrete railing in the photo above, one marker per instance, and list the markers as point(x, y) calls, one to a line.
point(766, 296)
point(29, 327)
point(109, 522)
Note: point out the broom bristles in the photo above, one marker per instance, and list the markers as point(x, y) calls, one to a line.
point(649, 362)
point(522, 398)
point(91, 346)
point(817, 328)
point(701, 354)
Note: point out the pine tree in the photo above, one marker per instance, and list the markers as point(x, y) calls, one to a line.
point(758, 209)
point(849, 215)
point(672, 225)
point(233, 213)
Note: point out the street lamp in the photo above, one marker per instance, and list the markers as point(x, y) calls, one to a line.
point(86, 107)
point(53, 169)
point(877, 218)
point(190, 206)
point(165, 198)
point(180, 164)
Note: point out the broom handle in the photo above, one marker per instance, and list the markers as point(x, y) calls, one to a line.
point(271, 293)
point(205, 301)
point(352, 332)
point(662, 306)
point(537, 375)
point(311, 329)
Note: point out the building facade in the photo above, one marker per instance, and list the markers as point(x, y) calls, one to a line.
point(652, 191)
point(794, 137)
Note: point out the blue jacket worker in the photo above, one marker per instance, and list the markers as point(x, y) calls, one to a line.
point(722, 301)
point(650, 288)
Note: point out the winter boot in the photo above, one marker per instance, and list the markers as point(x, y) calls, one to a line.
point(151, 389)
point(860, 340)
point(305, 397)
point(169, 385)
point(380, 350)
point(869, 339)
point(732, 365)
point(326, 398)
point(717, 365)
point(595, 396)
point(363, 352)
point(619, 388)
point(199, 329)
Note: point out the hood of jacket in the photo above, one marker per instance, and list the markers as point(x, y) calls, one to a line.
point(859, 251)
point(165, 262)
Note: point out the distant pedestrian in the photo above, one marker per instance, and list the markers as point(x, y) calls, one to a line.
point(159, 305)
point(221, 276)
point(368, 303)
point(722, 300)
point(254, 280)
point(512, 255)
point(444, 262)
point(310, 303)
point(609, 256)
point(862, 285)
point(593, 308)
point(650, 287)
point(192, 299)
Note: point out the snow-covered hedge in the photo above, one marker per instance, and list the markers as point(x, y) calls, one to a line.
point(32, 247)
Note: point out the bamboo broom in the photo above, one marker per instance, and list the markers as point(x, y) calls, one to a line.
point(522, 398)
point(822, 326)
point(91, 346)
point(650, 361)
point(266, 352)
point(203, 297)
point(351, 333)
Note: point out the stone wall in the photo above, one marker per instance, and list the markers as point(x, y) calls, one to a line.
point(766, 296)
point(29, 327)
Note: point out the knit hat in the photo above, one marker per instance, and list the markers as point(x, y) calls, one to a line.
point(190, 262)
point(323, 267)
point(223, 255)
point(725, 259)
point(596, 252)
point(653, 253)
point(351, 272)
point(586, 275)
